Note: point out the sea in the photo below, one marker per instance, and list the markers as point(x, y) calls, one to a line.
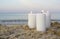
point(23, 18)
point(11, 22)
point(21, 22)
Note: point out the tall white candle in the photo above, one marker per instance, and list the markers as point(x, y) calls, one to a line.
point(40, 22)
point(48, 19)
point(31, 20)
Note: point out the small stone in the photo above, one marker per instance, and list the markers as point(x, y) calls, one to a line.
point(25, 27)
point(58, 32)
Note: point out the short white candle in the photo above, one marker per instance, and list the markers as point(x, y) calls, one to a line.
point(40, 22)
point(31, 20)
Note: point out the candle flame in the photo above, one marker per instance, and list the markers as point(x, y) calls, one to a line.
point(42, 11)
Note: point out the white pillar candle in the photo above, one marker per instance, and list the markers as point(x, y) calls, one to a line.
point(48, 19)
point(40, 22)
point(31, 20)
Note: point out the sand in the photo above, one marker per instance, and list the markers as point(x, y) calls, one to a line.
point(24, 32)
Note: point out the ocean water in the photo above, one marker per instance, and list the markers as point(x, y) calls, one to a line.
point(10, 22)
point(23, 15)
point(6, 18)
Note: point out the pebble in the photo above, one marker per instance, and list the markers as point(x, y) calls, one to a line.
point(26, 33)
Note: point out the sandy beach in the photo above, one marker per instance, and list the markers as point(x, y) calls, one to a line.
point(24, 32)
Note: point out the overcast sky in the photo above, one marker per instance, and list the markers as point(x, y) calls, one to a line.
point(27, 5)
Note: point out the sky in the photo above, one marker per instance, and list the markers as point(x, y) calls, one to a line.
point(8, 7)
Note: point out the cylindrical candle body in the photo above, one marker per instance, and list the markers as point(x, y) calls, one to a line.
point(40, 22)
point(48, 20)
point(31, 20)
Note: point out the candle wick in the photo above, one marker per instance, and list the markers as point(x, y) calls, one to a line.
point(31, 12)
point(47, 11)
point(42, 11)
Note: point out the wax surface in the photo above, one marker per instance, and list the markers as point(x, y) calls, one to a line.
point(40, 22)
point(48, 20)
point(31, 20)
